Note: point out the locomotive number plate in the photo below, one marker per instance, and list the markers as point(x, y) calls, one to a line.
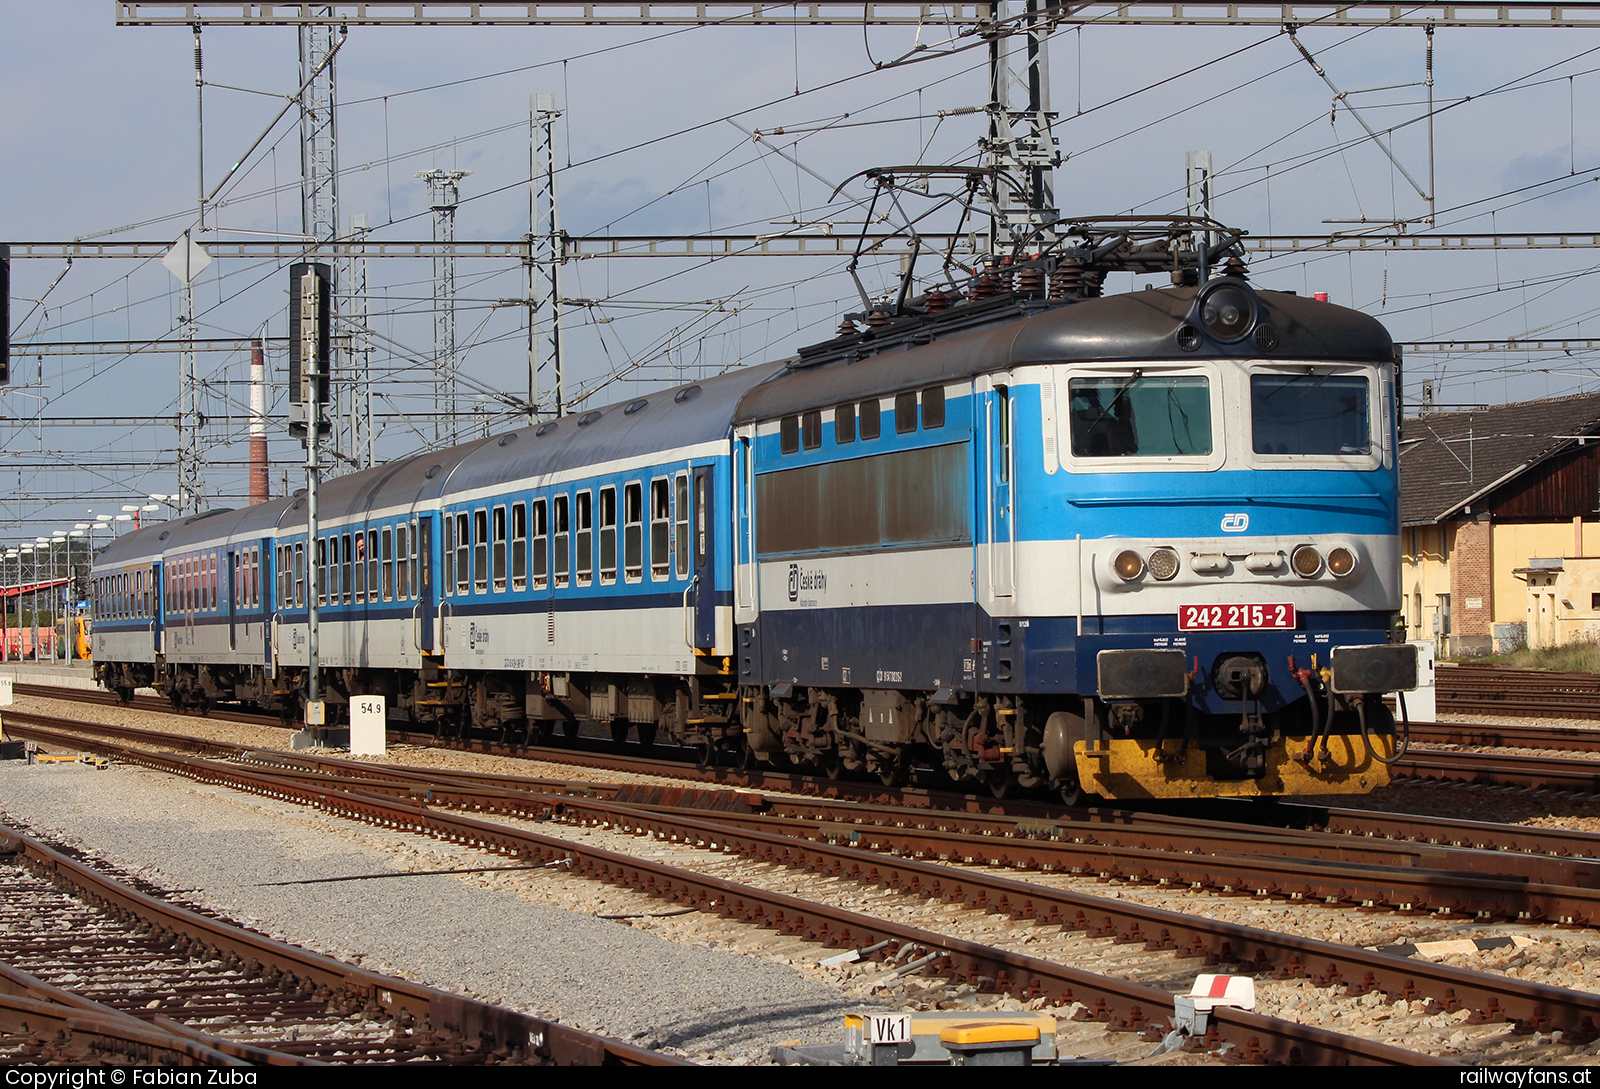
point(1228, 617)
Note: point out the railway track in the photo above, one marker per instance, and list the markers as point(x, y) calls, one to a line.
point(1420, 765)
point(1117, 1003)
point(1489, 690)
point(92, 969)
point(728, 821)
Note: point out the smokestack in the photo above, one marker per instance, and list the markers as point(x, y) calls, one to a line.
point(259, 490)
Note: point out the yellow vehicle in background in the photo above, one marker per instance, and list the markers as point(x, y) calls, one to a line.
point(81, 628)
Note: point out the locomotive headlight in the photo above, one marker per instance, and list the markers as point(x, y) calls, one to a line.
point(1307, 561)
point(1341, 561)
point(1128, 565)
point(1227, 312)
point(1163, 563)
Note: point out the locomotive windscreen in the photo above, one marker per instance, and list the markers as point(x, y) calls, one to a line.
point(1144, 415)
point(1310, 413)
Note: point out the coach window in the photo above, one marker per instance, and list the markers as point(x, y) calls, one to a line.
point(404, 543)
point(660, 529)
point(449, 552)
point(388, 563)
point(789, 434)
point(372, 565)
point(360, 567)
point(335, 570)
point(541, 544)
point(633, 532)
point(811, 429)
point(463, 546)
point(932, 408)
point(480, 551)
point(255, 577)
point(322, 565)
point(870, 422)
point(519, 547)
point(416, 549)
point(905, 413)
point(563, 539)
point(498, 555)
point(585, 518)
point(346, 580)
point(680, 540)
point(300, 576)
point(844, 424)
point(608, 535)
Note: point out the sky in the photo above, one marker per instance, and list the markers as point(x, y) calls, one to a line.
point(98, 127)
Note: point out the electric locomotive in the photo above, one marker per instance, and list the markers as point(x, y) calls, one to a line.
point(1135, 546)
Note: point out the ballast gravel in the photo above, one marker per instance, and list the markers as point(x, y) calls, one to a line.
point(266, 864)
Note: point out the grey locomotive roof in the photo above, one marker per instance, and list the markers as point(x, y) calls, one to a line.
point(1137, 325)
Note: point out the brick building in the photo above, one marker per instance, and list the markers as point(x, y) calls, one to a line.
point(1500, 525)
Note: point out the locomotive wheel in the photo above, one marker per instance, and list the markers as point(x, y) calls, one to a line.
point(1002, 784)
point(619, 731)
point(895, 773)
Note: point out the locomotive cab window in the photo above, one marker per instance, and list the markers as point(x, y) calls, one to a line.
point(1311, 413)
point(1141, 415)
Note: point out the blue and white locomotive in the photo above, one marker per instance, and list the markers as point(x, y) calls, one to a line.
point(1142, 545)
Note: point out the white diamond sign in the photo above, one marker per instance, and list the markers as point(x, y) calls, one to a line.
point(186, 259)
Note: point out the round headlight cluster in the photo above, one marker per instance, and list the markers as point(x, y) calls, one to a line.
point(1128, 565)
point(1162, 564)
point(1307, 562)
point(1341, 561)
point(1227, 312)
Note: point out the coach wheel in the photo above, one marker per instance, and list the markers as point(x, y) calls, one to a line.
point(647, 733)
point(1071, 790)
point(833, 765)
point(744, 755)
point(202, 705)
point(569, 729)
point(544, 732)
point(619, 731)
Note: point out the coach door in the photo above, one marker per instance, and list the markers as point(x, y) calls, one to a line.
point(157, 611)
point(426, 608)
point(267, 573)
point(701, 532)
